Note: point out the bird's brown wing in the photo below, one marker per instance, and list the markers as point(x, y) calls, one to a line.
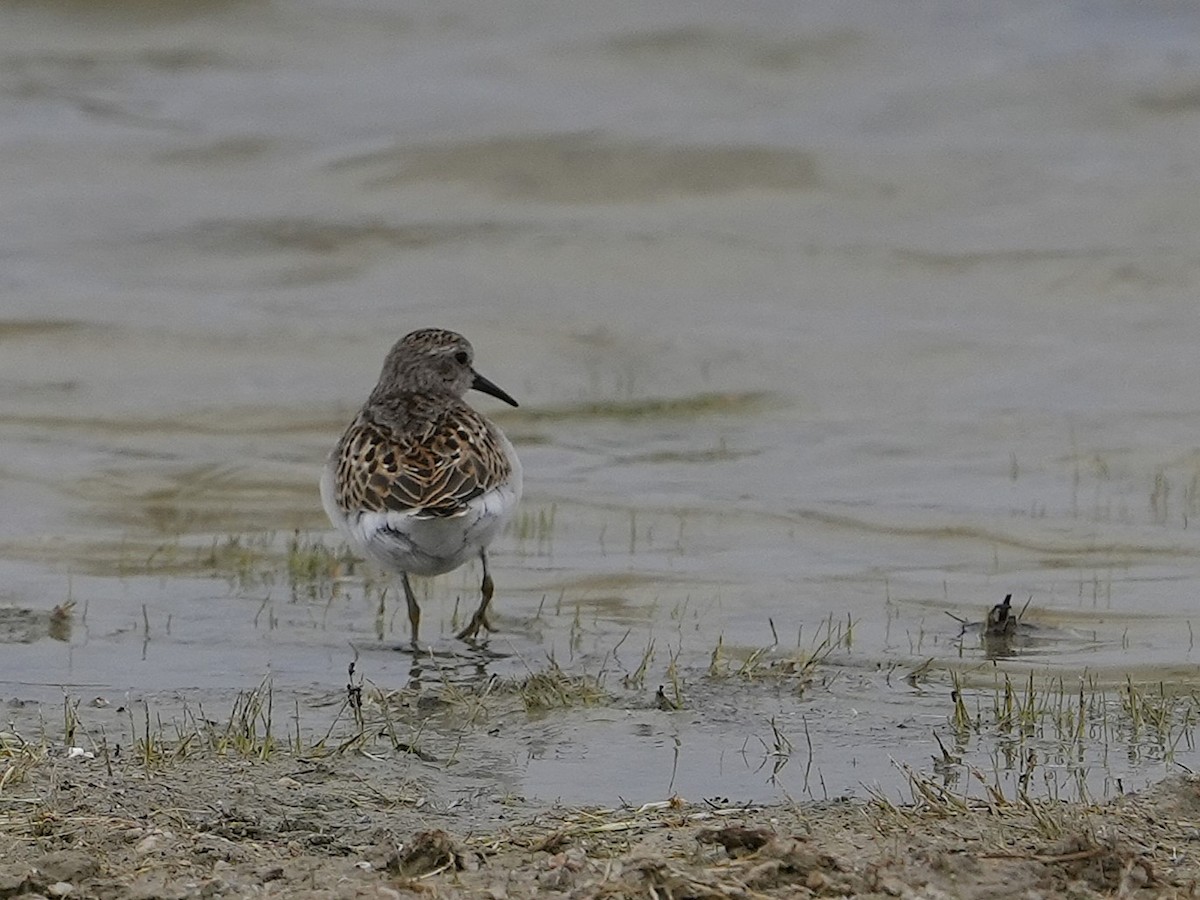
point(434, 469)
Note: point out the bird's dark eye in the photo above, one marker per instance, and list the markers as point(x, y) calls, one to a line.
point(461, 357)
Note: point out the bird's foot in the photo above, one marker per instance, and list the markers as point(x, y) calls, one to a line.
point(478, 621)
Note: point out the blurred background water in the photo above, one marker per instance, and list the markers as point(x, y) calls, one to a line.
point(818, 313)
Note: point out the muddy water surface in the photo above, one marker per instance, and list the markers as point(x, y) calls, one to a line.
point(826, 323)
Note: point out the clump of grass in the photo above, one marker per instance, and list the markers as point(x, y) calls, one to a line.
point(553, 688)
point(799, 665)
point(312, 563)
point(253, 560)
point(636, 680)
point(374, 714)
point(1148, 719)
point(934, 798)
point(151, 748)
point(18, 757)
point(244, 559)
point(676, 680)
point(1049, 738)
point(249, 730)
point(1160, 719)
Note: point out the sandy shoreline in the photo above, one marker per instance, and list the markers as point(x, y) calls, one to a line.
point(301, 827)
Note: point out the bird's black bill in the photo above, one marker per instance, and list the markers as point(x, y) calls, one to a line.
point(482, 384)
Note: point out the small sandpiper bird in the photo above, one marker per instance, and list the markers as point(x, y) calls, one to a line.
point(420, 482)
point(1001, 622)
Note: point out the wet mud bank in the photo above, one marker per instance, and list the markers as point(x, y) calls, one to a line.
point(295, 827)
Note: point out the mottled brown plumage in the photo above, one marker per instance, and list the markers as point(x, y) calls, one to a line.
point(425, 457)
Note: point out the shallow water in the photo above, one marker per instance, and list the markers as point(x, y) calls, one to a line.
point(838, 317)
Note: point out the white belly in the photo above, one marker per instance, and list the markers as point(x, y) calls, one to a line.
point(425, 545)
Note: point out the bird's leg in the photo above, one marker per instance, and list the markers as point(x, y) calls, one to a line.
point(480, 618)
point(414, 611)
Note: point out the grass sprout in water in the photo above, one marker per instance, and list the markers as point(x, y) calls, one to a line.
point(798, 666)
point(534, 530)
point(250, 560)
point(1041, 735)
